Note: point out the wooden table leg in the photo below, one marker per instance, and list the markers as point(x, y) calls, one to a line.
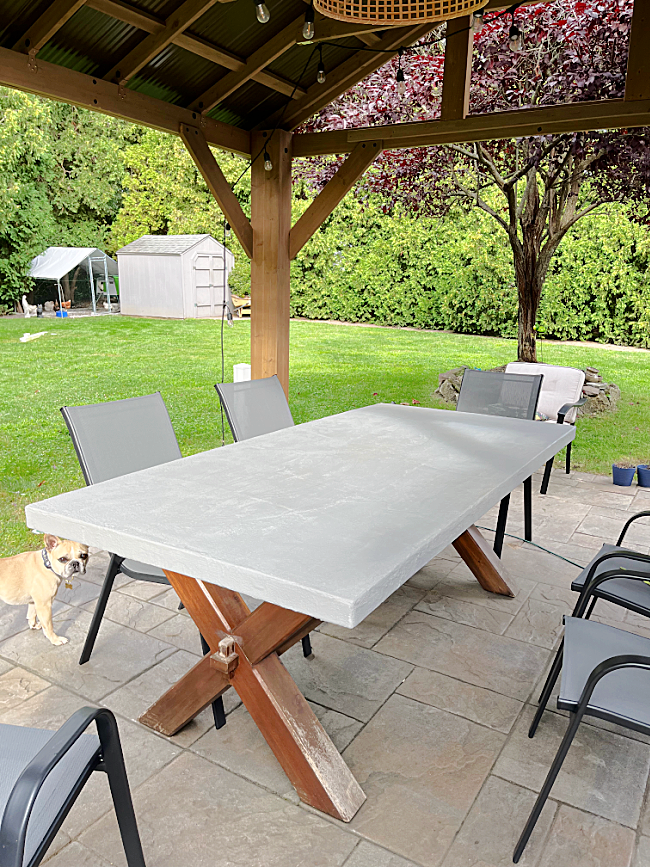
point(309, 758)
point(483, 562)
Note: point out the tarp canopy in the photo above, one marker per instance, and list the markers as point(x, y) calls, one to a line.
point(56, 262)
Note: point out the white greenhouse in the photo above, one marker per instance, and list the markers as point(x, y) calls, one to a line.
point(175, 277)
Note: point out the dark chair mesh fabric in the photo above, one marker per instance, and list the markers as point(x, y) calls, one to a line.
point(256, 407)
point(494, 393)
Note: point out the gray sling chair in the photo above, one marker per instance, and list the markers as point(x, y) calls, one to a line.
point(112, 439)
point(43, 772)
point(606, 674)
point(507, 394)
point(254, 408)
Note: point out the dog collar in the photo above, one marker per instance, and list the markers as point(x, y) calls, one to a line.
point(46, 560)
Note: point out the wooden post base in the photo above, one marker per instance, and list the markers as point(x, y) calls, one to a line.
point(309, 758)
point(483, 562)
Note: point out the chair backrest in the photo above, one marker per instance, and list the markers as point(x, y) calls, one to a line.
point(255, 407)
point(561, 385)
point(121, 436)
point(495, 393)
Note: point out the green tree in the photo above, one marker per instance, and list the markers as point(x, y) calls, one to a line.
point(164, 194)
point(61, 172)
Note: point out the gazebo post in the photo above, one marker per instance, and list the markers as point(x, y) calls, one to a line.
point(270, 271)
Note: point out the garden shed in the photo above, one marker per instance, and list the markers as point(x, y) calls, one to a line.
point(175, 277)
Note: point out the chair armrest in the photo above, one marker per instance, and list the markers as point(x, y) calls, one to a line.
point(607, 666)
point(593, 581)
point(563, 410)
point(20, 804)
point(627, 524)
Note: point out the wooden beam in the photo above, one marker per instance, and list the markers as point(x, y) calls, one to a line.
point(272, 48)
point(206, 163)
point(484, 563)
point(46, 25)
point(575, 117)
point(180, 19)
point(637, 80)
point(271, 222)
point(194, 44)
point(459, 46)
point(332, 193)
point(343, 77)
point(76, 88)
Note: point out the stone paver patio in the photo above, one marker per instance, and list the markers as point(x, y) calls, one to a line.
point(429, 700)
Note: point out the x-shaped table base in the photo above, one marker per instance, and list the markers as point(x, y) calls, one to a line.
point(255, 642)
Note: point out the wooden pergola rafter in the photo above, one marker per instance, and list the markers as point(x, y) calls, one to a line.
point(246, 79)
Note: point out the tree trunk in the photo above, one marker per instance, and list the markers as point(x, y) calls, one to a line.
point(530, 281)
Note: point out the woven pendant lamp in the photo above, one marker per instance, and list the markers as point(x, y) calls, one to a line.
point(397, 12)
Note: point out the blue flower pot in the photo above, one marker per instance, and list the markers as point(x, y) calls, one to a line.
point(623, 476)
point(643, 475)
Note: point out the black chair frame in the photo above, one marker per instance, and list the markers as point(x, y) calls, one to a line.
point(567, 465)
point(607, 666)
point(584, 608)
point(107, 758)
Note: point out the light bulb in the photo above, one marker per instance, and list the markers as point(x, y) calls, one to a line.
point(308, 29)
point(401, 81)
point(477, 21)
point(268, 165)
point(515, 39)
point(320, 75)
point(262, 12)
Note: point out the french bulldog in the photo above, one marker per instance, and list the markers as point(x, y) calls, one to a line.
point(32, 579)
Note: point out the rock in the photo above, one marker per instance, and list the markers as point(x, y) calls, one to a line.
point(590, 390)
point(449, 374)
point(605, 400)
point(447, 392)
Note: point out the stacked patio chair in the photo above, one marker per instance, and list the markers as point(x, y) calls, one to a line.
point(253, 408)
point(494, 393)
point(112, 439)
point(605, 670)
point(43, 772)
point(560, 397)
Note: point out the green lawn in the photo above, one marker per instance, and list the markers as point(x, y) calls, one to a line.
point(333, 368)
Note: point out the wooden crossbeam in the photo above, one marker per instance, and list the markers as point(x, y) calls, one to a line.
point(458, 69)
point(332, 193)
point(354, 69)
point(182, 18)
point(203, 157)
point(272, 48)
point(76, 88)
point(574, 117)
point(47, 24)
point(637, 80)
point(194, 44)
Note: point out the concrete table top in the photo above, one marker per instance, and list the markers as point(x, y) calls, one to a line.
point(326, 518)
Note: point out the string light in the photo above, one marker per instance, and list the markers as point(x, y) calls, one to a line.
point(515, 36)
point(320, 75)
point(478, 20)
point(262, 12)
point(308, 30)
point(400, 78)
point(268, 165)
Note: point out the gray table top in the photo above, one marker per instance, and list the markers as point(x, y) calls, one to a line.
point(326, 518)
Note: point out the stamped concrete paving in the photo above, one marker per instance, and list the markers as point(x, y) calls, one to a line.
point(428, 699)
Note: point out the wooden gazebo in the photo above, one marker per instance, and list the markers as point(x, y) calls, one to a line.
point(208, 71)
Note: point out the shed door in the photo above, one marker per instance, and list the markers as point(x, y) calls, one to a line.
point(208, 285)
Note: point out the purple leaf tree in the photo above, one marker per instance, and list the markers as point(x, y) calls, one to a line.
point(535, 189)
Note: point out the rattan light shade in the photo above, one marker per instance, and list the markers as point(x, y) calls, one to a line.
point(396, 12)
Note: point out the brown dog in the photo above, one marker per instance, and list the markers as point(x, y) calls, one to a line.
point(33, 578)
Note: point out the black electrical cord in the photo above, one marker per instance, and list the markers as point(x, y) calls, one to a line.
point(535, 545)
